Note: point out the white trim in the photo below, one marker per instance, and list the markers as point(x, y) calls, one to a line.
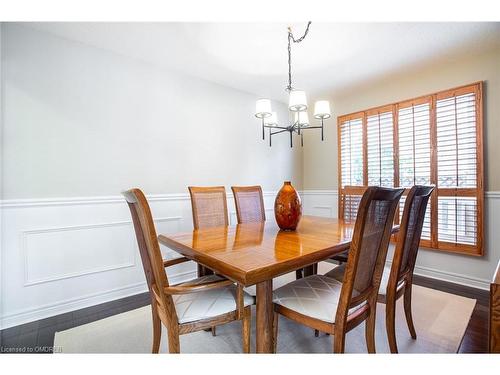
point(492, 194)
point(453, 277)
point(72, 304)
point(319, 192)
point(111, 199)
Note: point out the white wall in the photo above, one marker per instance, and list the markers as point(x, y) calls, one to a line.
point(80, 121)
point(83, 124)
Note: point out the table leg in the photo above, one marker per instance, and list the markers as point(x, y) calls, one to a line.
point(264, 336)
point(311, 270)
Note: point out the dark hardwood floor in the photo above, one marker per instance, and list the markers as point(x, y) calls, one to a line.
point(38, 337)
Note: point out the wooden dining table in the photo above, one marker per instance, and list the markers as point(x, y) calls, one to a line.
point(256, 253)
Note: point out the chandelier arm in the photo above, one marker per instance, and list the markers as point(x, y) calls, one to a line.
point(279, 131)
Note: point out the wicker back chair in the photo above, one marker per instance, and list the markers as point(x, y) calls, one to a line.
point(341, 306)
point(397, 280)
point(249, 204)
point(188, 307)
point(209, 207)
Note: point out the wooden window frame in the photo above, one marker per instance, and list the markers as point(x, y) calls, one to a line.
point(477, 192)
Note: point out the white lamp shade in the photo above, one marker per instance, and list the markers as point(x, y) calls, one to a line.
point(322, 109)
point(263, 108)
point(302, 118)
point(272, 120)
point(298, 101)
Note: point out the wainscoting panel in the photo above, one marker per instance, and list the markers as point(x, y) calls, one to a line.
point(63, 254)
point(320, 202)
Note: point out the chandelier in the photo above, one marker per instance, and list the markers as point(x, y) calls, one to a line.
point(297, 105)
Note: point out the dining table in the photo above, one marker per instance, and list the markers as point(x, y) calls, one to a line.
point(256, 253)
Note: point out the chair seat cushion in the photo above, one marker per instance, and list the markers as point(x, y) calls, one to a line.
point(316, 296)
point(207, 304)
point(338, 274)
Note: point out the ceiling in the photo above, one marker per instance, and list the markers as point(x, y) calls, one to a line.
point(253, 56)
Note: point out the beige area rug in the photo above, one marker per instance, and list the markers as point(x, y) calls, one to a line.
point(440, 320)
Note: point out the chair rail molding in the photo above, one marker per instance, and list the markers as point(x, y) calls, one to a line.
point(67, 253)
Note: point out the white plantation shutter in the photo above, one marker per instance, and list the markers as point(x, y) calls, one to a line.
point(351, 140)
point(352, 165)
point(457, 178)
point(414, 141)
point(414, 145)
point(350, 205)
point(426, 228)
point(456, 141)
point(457, 220)
point(436, 139)
point(380, 139)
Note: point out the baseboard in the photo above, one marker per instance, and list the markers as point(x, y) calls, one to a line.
point(451, 277)
point(46, 311)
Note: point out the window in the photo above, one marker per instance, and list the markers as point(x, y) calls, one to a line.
point(435, 139)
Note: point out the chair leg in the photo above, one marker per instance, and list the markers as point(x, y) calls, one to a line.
point(370, 327)
point(213, 331)
point(339, 341)
point(246, 329)
point(275, 331)
point(390, 324)
point(407, 308)
point(316, 333)
point(173, 339)
point(156, 330)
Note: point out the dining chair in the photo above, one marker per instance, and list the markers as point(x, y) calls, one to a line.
point(397, 279)
point(187, 307)
point(350, 197)
point(249, 204)
point(328, 305)
point(209, 207)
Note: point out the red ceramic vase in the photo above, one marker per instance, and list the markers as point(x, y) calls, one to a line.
point(287, 207)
